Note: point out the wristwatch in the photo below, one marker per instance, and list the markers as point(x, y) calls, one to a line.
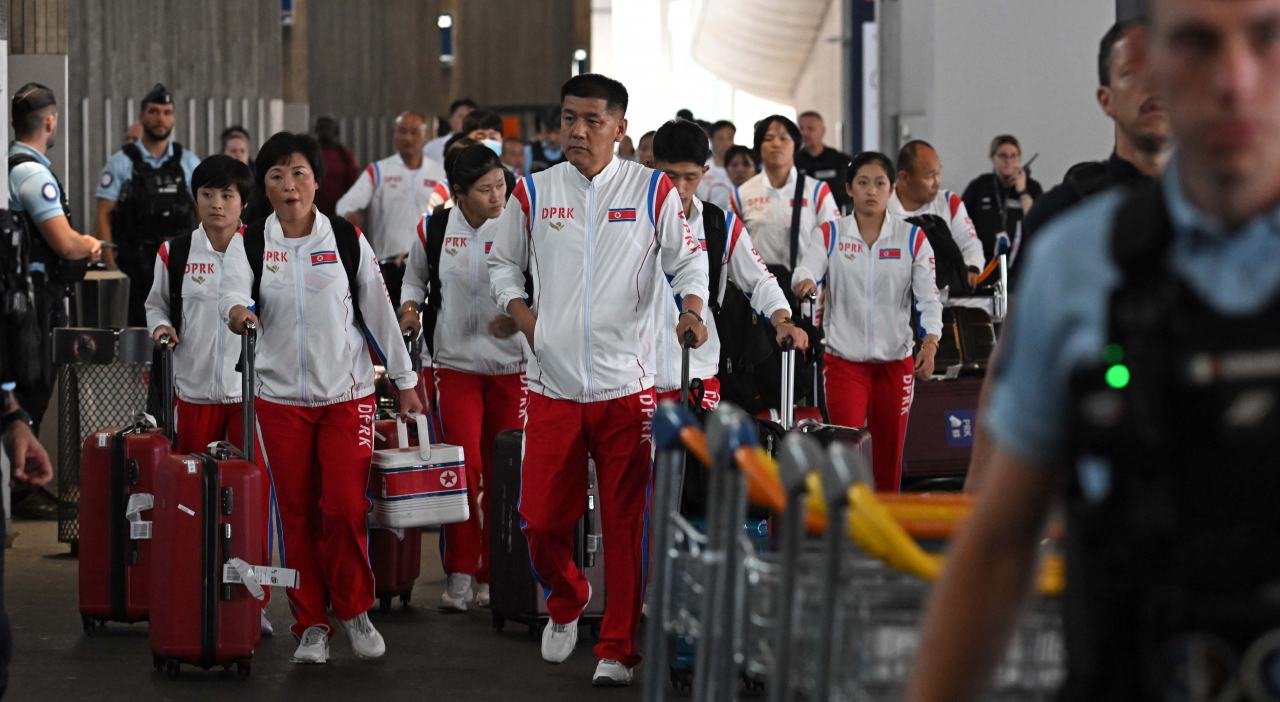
point(786, 320)
point(18, 415)
point(1022, 194)
point(695, 314)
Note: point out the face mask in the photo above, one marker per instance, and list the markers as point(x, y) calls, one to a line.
point(495, 146)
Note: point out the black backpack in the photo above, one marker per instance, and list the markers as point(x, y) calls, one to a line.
point(20, 344)
point(347, 239)
point(57, 269)
point(950, 270)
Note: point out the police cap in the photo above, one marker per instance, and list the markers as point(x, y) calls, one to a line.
point(31, 98)
point(158, 95)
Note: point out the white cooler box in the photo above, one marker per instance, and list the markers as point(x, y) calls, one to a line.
point(418, 486)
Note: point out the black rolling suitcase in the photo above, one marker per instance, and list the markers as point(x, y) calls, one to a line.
point(514, 593)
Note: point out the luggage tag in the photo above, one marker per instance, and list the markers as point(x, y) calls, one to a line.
point(138, 503)
point(424, 435)
point(254, 577)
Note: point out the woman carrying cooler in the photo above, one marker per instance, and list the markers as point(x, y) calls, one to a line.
point(874, 267)
point(477, 357)
point(314, 387)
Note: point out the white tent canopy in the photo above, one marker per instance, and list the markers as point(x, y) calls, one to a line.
point(759, 46)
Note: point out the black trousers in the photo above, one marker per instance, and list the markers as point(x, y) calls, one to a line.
point(393, 276)
point(138, 261)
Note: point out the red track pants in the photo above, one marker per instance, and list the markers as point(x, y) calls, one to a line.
point(200, 425)
point(558, 436)
point(877, 396)
point(710, 394)
point(473, 410)
point(318, 462)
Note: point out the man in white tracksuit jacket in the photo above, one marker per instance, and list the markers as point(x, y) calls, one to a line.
point(592, 232)
point(918, 193)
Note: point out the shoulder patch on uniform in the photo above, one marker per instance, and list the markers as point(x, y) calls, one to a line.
point(106, 180)
point(49, 192)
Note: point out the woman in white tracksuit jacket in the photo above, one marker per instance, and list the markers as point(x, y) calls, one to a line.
point(477, 358)
point(315, 387)
point(873, 265)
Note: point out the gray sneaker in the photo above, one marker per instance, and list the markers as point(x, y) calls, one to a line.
point(365, 640)
point(610, 673)
point(559, 640)
point(314, 647)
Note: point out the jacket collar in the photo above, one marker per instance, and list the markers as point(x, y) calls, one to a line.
point(319, 229)
point(601, 178)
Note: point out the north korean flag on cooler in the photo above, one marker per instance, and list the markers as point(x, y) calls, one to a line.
point(320, 258)
point(890, 254)
point(625, 214)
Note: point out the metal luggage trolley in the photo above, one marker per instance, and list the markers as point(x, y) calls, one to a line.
point(810, 618)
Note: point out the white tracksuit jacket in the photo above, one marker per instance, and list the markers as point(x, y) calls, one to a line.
point(462, 340)
point(766, 212)
point(870, 288)
point(397, 198)
point(310, 352)
point(593, 247)
point(950, 207)
point(204, 361)
point(716, 188)
point(744, 266)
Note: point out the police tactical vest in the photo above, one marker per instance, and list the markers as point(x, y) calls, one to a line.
point(57, 269)
point(155, 205)
point(1173, 505)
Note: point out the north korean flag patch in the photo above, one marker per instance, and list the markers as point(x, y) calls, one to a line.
point(321, 258)
point(890, 254)
point(488, 246)
point(625, 214)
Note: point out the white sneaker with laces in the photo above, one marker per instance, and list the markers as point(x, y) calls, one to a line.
point(559, 640)
point(365, 640)
point(266, 626)
point(458, 594)
point(314, 647)
point(610, 673)
point(482, 595)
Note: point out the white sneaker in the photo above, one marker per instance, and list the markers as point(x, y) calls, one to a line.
point(559, 640)
point(266, 626)
point(610, 673)
point(458, 594)
point(365, 640)
point(314, 647)
point(482, 595)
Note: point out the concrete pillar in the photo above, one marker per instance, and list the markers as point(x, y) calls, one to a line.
point(297, 117)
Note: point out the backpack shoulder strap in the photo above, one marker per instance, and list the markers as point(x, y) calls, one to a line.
point(797, 202)
point(714, 230)
point(1089, 177)
point(179, 252)
point(255, 245)
point(348, 241)
point(177, 152)
point(1142, 232)
point(436, 225)
point(19, 159)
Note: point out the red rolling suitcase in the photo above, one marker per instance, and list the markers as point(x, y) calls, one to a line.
point(394, 554)
point(116, 469)
point(208, 529)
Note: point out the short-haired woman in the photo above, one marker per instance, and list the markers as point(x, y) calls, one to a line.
point(873, 266)
point(315, 387)
point(997, 201)
point(478, 359)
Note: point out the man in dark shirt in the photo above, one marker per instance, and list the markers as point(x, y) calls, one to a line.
point(1142, 131)
point(817, 161)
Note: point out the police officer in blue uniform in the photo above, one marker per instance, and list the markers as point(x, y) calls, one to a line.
point(59, 255)
point(144, 198)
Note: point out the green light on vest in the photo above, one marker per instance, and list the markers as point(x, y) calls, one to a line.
point(1113, 354)
point(1117, 376)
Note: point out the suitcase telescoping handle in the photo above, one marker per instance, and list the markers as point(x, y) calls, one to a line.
point(689, 340)
point(415, 350)
point(787, 411)
point(424, 435)
point(168, 413)
point(250, 350)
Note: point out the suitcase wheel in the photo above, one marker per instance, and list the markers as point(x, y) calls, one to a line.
point(171, 668)
point(681, 679)
point(404, 599)
point(595, 630)
point(243, 669)
point(89, 623)
point(499, 621)
point(157, 661)
point(535, 631)
point(384, 604)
